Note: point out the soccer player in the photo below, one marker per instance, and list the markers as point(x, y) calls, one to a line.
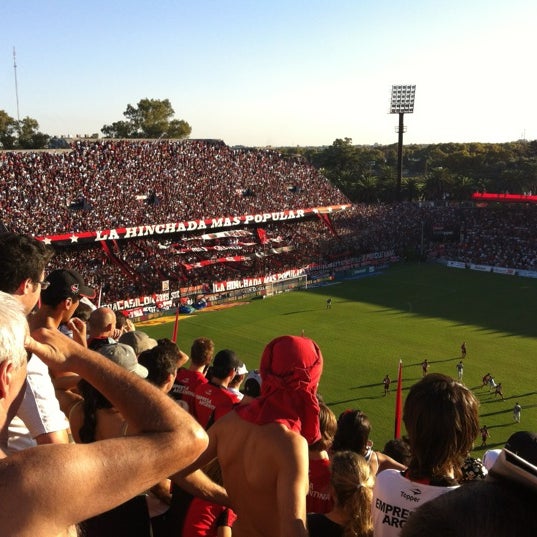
point(387, 381)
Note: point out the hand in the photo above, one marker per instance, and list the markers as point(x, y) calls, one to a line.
point(117, 333)
point(78, 328)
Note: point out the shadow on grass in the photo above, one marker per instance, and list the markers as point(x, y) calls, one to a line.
point(428, 290)
point(298, 312)
point(355, 399)
point(501, 425)
point(493, 445)
point(366, 386)
point(493, 398)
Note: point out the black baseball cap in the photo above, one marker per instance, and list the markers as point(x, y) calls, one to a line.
point(66, 283)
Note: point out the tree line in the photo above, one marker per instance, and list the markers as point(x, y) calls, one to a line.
point(449, 171)
point(150, 118)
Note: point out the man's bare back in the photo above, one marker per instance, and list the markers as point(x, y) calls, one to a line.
point(267, 484)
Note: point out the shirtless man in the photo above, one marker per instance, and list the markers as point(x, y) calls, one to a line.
point(83, 480)
point(262, 447)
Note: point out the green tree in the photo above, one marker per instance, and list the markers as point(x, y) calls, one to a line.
point(29, 135)
point(8, 130)
point(151, 118)
point(119, 129)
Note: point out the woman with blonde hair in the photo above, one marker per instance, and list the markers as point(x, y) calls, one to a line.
point(351, 489)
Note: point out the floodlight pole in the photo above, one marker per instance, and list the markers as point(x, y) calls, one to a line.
point(402, 101)
point(400, 130)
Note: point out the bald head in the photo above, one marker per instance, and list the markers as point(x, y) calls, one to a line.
point(102, 322)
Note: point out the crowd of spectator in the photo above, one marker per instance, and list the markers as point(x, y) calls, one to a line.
point(106, 184)
point(122, 183)
point(261, 441)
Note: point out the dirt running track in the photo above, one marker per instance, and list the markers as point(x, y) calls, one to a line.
point(169, 318)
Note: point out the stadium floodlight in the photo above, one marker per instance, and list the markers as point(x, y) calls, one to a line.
point(402, 102)
point(403, 99)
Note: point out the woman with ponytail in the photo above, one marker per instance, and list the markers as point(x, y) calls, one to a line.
point(351, 489)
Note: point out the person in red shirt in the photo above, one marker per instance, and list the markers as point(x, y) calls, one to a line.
point(318, 499)
point(213, 399)
point(208, 519)
point(187, 380)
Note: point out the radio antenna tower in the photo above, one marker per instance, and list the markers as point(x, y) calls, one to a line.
point(16, 84)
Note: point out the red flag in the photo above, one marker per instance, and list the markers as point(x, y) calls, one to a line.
point(176, 324)
point(262, 235)
point(399, 402)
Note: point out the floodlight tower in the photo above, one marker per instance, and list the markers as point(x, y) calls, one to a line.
point(402, 103)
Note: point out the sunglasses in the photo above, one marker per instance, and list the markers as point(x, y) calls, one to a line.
point(44, 284)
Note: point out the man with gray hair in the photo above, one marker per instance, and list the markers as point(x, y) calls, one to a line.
point(83, 480)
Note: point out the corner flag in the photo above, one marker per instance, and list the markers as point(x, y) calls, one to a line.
point(399, 402)
point(176, 325)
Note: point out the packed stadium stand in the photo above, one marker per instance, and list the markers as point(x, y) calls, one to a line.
point(139, 218)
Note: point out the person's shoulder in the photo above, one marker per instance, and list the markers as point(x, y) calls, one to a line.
point(386, 462)
point(388, 477)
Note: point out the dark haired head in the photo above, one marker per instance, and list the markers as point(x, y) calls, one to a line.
point(224, 363)
point(353, 429)
point(161, 362)
point(22, 257)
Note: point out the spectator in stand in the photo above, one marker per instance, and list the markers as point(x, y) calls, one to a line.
point(318, 499)
point(213, 399)
point(502, 505)
point(442, 422)
point(138, 340)
point(124, 324)
point(262, 447)
point(398, 449)
point(187, 380)
point(39, 418)
point(95, 418)
point(252, 386)
point(208, 519)
point(72, 198)
point(353, 430)
point(237, 380)
point(59, 301)
point(79, 481)
point(22, 268)
point(351, 485)
point(162, 362)
point(101, 328)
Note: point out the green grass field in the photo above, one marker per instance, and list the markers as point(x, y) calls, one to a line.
point(411, 312)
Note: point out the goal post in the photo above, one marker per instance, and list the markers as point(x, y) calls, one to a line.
point(284, 286)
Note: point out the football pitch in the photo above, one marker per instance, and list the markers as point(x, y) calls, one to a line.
point(409, 313)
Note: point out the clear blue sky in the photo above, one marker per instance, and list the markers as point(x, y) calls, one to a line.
point(277, 72)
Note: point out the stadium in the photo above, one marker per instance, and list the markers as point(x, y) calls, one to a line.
point(248, 244)
point(157, 225)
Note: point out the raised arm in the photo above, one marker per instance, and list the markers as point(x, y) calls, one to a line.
point(83, 480)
